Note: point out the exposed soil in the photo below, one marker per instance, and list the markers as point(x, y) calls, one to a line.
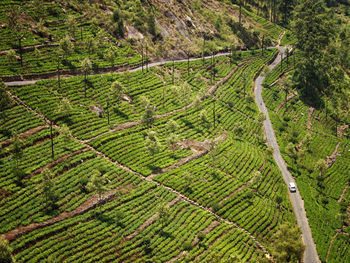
point(341, 129)
point(198, 149)
point(211, 244)
point(332, 158)
point(4, 193)
point(93, 201)
point(342, 195)
point(330, 245)
point(205, 231)
point(150, 221)
point(59, 160)
point(90, 203)
point(310, 111)
point(289, 97)
point(24, 135)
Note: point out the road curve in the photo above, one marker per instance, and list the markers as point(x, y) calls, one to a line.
point(310, 255)
point(150, 65)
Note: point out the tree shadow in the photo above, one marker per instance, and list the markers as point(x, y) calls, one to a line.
point(117, 111)
point(108, 220)
point(165, 234)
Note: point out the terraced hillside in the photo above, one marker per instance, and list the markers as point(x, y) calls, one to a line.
point(316, 149)
point(209, 194)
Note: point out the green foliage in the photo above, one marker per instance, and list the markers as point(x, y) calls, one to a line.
point(116, 90)
point(5, 100)
point(148, 116)
point(64, 108)
point(46, 188)
point(65, 133)
point(66, 47)
point(5, 251)
point(287, 244)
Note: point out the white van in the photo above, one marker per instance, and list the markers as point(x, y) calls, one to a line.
point(292, 187)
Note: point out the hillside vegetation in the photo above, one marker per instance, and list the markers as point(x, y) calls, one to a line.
point(105, 158)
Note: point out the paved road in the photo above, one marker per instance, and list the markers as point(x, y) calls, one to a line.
point(150, 65)
point(310, 255)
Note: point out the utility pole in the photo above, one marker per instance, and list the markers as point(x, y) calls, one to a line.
point(146, 59)
point(58, 71)
point(214, 111)
point(142, 57)
point(240, 12)
point(188, 63)
point(164, 83)
point(108, 109)
point(281, 62)
point(52, 152)
point(173, 70)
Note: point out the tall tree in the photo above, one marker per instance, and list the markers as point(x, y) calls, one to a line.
point(116, 90)
point(314, 29)
point(16, 25)
point(186, 94)
point(5, 251)
point(163, 215)
point(98, 183)
point(148, 116)
point(286, 8)
point(5, 100)
point(152, 144)
point(86, 68)
point(47, 190)
point(111, 54)
point(287, 244)
point(72, 25)
point(65, 47)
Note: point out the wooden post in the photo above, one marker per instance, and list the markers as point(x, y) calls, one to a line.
point(188, 64)
point(108, 109)
point(20, 51)
point(142, 57)
point(52, 151)
point(214, 112)
point(173, 70)
point(58, 72)
point(163, 93)
point(146, 59)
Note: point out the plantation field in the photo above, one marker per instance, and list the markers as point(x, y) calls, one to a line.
point(222, 201)
point(314, 137)
point(44, 25)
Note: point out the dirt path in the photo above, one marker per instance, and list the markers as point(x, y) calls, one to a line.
point(150, 220)
point(310, 255)
point(284, 102)
point(279, 39)
point(330, 245)
point(24, 135)
point(90, 203)
point(31, 48)
point(343, 193)
point(13, 234)
point(198, 149)
point(310, 112)
point(330, 160)
point(131, 124)
point(59, 160)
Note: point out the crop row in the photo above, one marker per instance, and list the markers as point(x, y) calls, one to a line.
point(17, 119)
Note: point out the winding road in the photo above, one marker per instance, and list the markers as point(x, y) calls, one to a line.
point(310, 255)
point(150, 65)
